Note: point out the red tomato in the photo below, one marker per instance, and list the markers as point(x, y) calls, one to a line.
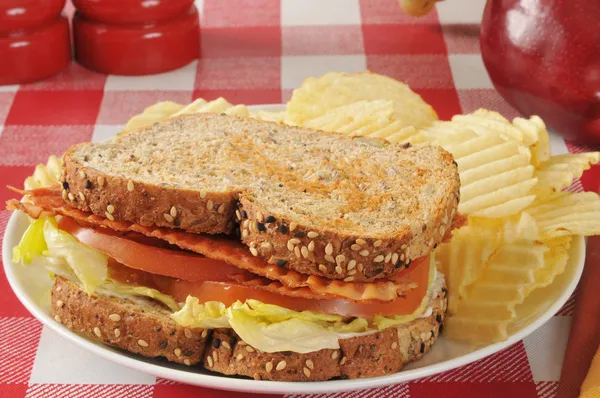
point(230, 292)
point(139, 255)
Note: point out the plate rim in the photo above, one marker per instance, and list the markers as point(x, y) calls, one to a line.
point(264, 386)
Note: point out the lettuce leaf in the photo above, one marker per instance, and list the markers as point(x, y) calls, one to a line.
point(293, 334)
point(32, 243)
point(208, 315)
point(123, 290)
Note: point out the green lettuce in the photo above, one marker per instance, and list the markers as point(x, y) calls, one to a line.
point(32, 243)
point(195, 315)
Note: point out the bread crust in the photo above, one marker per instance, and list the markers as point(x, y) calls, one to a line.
point(352, 258)
point(222, 351)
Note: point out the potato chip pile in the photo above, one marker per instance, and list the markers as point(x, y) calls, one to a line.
point(521, 219)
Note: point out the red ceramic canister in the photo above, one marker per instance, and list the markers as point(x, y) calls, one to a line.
point(137, 49)
point(131, 11)
point(34, 40)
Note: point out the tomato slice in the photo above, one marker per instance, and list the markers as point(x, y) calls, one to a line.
point(230, 292)
point(138, 254)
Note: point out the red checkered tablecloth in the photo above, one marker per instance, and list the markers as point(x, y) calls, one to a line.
point(256, 52)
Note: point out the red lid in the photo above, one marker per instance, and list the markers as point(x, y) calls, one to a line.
point(137, 50)
point(27, 14)
point(131, 11)
point(36, 54)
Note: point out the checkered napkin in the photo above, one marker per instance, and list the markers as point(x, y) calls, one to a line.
point(256, 52)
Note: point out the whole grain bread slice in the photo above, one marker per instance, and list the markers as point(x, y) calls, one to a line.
point(316, 202)
point(148, 330)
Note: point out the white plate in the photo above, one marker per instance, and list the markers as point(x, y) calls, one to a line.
point(31, 289)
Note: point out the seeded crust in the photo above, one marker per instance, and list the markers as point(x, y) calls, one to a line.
point(146, 330)
point(222, 351)
point(407, 206)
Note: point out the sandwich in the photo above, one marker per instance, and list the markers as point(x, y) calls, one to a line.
point(248, 248)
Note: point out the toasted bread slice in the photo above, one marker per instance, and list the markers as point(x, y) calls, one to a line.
point(317, 202)
point(148, 330)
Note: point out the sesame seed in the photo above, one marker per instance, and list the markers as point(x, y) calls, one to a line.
point(280, 263)
point(343, 361)
point(215, 356)
point(322, 268)
point(364, 253)
point(355, 247)
point(238, 214)
point(117, 332)
point(297, 251)
point(351, 264)
point(304, 251)
point(422, 348)
point(394, 258)
point(58, 289)
point(270, 219)
point(293, 226)
point(130, 186)
point(339, 269)
point(101, 181)
point(403, 247)
point(281, 365)
point(221, 208)
point(254, 251)
point(283, 229)
point(290, 245)
point(394, 345)
point(244, 233)
point(310, 364)
point(402, 257)
point(81, 196)
point(204, 333)
point(65, 185)
point(294, 241)
point(329, 258)
point(82, 174)
point(306, 372)
point(142, 343)
point(352, 272)
point(259, 216)
point(312, 234)
point(173, 212)
point(97, 332)
point(71, 197)
point(239, 357)
point(115, 317)
point(209, 205)
point(249, 348)
point(60, 303)
point(210, 362)
point(260, 226)
point(388, 257)
point(300, 234)
point(334, 354)
point(339, 259)
point(378, 259)
point(226, 345)
point(430, 242)
point(64, 194)
point(377, 243)
point(269, 367)
point(110, 209)
point(311, 246)
point(56, 318)
point(329, 248)
point(88, 184)
point(349, 279)
point(360, 267)
point(361, 241)
point(177, 352)
point(187, 362)
point(168, 217)
point(109, 216)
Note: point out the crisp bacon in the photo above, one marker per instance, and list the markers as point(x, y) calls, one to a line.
point(47, 202)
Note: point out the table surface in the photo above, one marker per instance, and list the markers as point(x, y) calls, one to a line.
point(256, 52)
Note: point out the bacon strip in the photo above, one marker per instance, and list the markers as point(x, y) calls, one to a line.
point(47, 202)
